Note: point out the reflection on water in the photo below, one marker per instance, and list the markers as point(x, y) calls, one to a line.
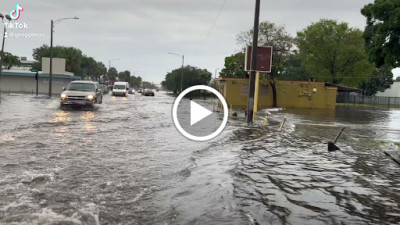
point(61, 131)
point(88, 116)
point(61, 117)
point(290, 178)
point(89, 127)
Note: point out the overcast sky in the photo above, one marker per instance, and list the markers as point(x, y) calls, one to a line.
point(141, 32)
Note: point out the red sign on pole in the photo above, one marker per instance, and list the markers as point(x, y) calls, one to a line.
point(264, 59)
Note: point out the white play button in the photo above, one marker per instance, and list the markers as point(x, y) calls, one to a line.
point(197, 113)
point(194, 119)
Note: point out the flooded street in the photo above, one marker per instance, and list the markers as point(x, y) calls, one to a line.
point(124, 162)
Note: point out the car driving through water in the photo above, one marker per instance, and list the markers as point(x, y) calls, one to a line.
point(120, 88)
point(82, 93)
point(148, 92)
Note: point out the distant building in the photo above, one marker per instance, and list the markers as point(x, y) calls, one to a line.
point(58, 66)
point(393, 91)
point(21, 79)
point(26, 65)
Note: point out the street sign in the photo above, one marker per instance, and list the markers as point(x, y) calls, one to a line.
point(264, 59)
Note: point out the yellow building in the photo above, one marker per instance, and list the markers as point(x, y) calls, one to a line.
point(290, 94)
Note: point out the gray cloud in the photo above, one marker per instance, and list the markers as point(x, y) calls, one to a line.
point(142, 32)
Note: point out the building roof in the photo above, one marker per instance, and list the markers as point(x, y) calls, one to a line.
point(28, 61)
point(84, 81)
point(292, 81)
point(32, 74)
point(230, 78)
point(342, 88)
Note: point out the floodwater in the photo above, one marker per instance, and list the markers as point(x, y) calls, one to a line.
point(125, 163)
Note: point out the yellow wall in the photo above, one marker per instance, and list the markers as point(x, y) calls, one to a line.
point(290, 94)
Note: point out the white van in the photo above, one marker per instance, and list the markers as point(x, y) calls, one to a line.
point(120, 89)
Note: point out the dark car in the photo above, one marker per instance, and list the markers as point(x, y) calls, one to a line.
point(131, 91)
point(104, 88)
point(148, 92)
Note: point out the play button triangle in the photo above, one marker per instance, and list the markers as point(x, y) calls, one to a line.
point(197, 113)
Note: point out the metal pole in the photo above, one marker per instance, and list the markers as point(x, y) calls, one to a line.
point(183, 63)
point(51, 59)
point(337, 137)
point(37, 83)
point(2, 56)
point(216, 70)
point(250, 105)
point(257, 87)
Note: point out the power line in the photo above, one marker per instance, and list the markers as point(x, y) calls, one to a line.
point(215, 21)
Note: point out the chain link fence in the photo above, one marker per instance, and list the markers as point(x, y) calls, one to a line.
point(369, 101)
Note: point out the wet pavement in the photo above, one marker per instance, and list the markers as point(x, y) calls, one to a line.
point(125, 163)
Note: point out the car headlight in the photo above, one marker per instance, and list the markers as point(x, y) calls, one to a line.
point(64, 96)
point(90, 97)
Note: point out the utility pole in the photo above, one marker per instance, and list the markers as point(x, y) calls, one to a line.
point(51, 58)
point(250, 106)
point(51, 50)
point(2, 57)
point(2, 46)
point(216, 70)
point(109, 63)
point(183, 64)
point(37, 83)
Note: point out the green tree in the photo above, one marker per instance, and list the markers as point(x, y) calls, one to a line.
point(382, 33)
point(101, 69)
point(234, 66)
point(273, 35)
point(334, 53)
point(214, 84)
point(124, 76)
point(293, 69)
point(135, 82)
point(380, 80)
point(281, 42)
point(164, 84)
point(73, 57)
point(192, 76)
point(88, 68)
point(112, 74)
point(76, 61)
point(148, 85)
point(10, 60)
